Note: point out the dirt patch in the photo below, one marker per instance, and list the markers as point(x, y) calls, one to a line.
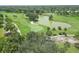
point(62, 38)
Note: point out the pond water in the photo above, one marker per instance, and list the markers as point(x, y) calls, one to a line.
point(44, 20)
point(60, 24)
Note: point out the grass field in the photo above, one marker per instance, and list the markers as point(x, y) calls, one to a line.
point(72, 20)
point(1, 32)
point(25, 26)
point(22, 22)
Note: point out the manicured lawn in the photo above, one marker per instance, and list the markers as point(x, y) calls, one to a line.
point(72, 20)
point(24, 24)
point(37, 28)
point(20, 20)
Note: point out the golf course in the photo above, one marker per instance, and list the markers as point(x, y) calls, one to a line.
point(40, 30)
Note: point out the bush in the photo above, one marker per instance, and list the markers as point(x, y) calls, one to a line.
point(77, 35)
point(66, 44)
point(65, 29)
point(59, 28)
point(54, 29)
point(1, 22)
point(60, 33)
point(33, 17)
point(76, 45)
point(51, 18)
point(48, 28)
point(54, 34)
point(49, 33)
point(64, 33)
point(36, 42)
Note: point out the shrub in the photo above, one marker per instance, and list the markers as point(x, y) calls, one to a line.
point(49, 33)
point(77, 35)
point(76, 45)
point(60, 33)
point(37, 43)
point(64, 33)
point(50, 17)
point(59, 28)
point(54, 29)
point(66, 44)
point(54, 34)
point(65, 29)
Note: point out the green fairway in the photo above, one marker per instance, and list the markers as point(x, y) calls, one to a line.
point(37, 28)
point(72, 20)
point(23, 23)
point(20, 21)
point(25, 26)
point(1, 32)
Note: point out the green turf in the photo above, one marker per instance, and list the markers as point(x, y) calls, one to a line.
point(23, 23)
point(1, 32)
point(72, 20)
point(25, 26)
point(72, 49)
point(20, 21)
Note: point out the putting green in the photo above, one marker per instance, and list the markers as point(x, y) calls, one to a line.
point(36, 28)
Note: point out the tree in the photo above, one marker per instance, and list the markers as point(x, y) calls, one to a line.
point(66, 45)
point(65, 29)
point(77, 35)
point(38, 43)
point(51, 18)
point(64, 33)
point(1, 21)
point(12, 43)
point(33, 16)
point(59, 28)
point(54, 29)
point(76, 45)
point(49, 32)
